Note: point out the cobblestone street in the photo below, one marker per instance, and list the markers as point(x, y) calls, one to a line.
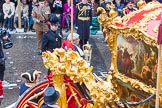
point(23, 56)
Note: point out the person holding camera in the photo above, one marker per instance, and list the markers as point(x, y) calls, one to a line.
point(57, 8)
point(40, 16)
point(4, 36)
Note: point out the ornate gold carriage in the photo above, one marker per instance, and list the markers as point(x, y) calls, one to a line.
point(132, 40)
point(131, 81)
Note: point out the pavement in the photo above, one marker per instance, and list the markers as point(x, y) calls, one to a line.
point(23, 56)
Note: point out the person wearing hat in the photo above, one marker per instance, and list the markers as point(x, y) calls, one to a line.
point(31, 77)
point(129, 8)
point(40, 16)
point(52, 39)
point(73, 43)
point(50, 97)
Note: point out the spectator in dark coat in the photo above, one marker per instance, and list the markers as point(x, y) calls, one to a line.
point(57, 8)
point(31, 4)
point(1, 13)
point(119, 7)
point(4, 35)
point(83, 21)
point(51, 38)
point(2, 61)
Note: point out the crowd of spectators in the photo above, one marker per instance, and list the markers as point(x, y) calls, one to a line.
point(9, 10)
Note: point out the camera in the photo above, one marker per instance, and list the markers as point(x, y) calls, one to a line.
point(2, 33)
point(5, 43)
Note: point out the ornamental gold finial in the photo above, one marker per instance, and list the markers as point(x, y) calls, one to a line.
point(87, 49)
point(101, 10)
point(112, 13)
point(141, 4)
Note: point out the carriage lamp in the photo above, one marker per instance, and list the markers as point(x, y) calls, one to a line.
point(87, 49)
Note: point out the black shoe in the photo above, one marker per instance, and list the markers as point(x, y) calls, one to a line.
point(11, 29)
point(104, 41)
point(39, 52)
point(67, 30)
point(25, 30)
point(33, 30)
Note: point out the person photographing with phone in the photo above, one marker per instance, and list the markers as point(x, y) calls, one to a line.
point(57, 9)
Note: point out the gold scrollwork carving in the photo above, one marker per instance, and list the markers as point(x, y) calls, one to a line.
point(137, 31)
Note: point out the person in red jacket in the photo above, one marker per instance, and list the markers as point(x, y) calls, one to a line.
point(73, 43)
point(1, 92)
